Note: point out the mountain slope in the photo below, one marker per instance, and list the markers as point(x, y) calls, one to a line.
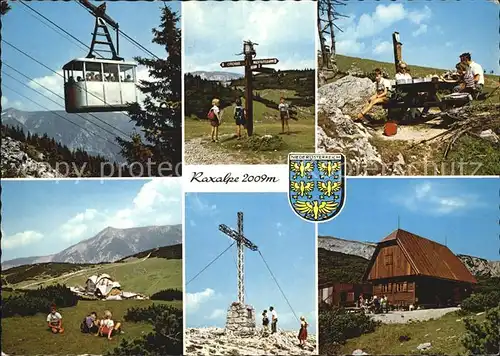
point(217, 76)
point(112, 244)
point(476, 265)
point(50, 123)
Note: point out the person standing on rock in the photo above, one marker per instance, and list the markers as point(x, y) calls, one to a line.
point(303, 331)
point(265, 321)
point(274, 320)
point(383, 87)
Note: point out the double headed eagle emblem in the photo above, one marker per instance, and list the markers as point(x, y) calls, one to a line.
point(303, 186)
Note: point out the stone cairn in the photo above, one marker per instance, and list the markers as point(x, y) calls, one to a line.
point(240, 319)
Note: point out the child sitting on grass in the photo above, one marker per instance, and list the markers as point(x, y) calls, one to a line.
point(54, 320)
point(108, 326)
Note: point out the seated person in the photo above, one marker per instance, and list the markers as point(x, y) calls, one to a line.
point(108, 327)
point(467, 84)
point(477, 72)
point(402, 73)
point(90, 324)
point(382, 87)
point(54, 320)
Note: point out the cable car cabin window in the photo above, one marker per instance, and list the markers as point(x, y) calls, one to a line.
point(111, 72)
point(128, 81)
point(127, 73)
point(72, 76)
point(93, 72)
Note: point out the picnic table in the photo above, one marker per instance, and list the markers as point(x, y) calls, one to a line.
point(419, 93)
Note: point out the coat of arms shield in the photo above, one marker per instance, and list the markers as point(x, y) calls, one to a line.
point(317, 185)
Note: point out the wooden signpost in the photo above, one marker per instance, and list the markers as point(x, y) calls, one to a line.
point(251, 65)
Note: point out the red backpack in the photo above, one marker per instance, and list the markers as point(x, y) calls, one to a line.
point(211, 114)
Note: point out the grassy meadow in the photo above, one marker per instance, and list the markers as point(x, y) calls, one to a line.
point(444, 334)
point(29, 335)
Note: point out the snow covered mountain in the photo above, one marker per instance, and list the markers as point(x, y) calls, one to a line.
point(217, 76)
point(110, 245)
point(73, 136)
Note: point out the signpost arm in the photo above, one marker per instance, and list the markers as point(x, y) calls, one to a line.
point(249, 93)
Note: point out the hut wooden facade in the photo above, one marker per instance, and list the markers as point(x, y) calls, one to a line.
point(410, 269)
point(343, 294)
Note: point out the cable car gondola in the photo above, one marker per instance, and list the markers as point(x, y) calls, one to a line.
point(100, 84)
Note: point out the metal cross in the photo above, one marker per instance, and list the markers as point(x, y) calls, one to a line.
point(241, 243)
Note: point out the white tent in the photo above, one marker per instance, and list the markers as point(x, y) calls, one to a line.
point(105, 284)
point(91, 284)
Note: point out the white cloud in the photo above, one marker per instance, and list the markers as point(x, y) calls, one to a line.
point(449, 44)
point(14, 104)
point(420, 30)
point(429, 197)
point(279, 227)
point(209, 38)
point(420, 16)
point(382, 48)
point(199, 205)
point(368, 25)
point(157, 203)
point(216, 314)
point(20, 239)
point(194, 300)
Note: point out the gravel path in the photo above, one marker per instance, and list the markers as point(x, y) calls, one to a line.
point(403, 317)
point(197, 152)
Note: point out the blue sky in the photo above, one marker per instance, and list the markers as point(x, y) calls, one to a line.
point(286, 242)
point(42, 217)
point(214, 32)
point(433, 33)
point(462, 210)
point(24, 29)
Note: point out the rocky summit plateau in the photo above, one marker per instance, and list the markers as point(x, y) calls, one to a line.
point(217, 341)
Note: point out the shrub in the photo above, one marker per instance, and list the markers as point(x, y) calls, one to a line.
point(24, 306)
point(166, 338)
point(38, 301)
point(150, 313)
point(167, 295)
point(482, 337)
point(479, 302)
point(336, 325)
point(60, 295)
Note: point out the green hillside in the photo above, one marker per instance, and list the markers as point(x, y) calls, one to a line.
point(147, 272)
point(340, 267)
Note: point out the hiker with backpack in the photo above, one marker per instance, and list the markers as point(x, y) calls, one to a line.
point(239, 117)
point(90, 324)
point(284, 115)
point(214, 116)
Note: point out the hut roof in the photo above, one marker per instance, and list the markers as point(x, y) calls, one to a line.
point(427, 257)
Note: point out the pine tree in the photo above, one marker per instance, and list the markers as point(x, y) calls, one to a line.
point(160, 117)
point(4, 7)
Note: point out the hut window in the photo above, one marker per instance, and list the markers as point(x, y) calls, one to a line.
point(386, 287)
point(249, 313)
point(402, 287)
point(388, 260)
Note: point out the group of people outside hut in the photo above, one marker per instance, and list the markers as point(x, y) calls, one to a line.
point(214, 117)
point(470, 80)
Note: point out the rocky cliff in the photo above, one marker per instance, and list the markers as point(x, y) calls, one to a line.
point(215, 341)
point(338, 103)
point(476, 265)
point(15, 162)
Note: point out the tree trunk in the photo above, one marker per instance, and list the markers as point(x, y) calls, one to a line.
point(324, 55)
point(330, 10)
